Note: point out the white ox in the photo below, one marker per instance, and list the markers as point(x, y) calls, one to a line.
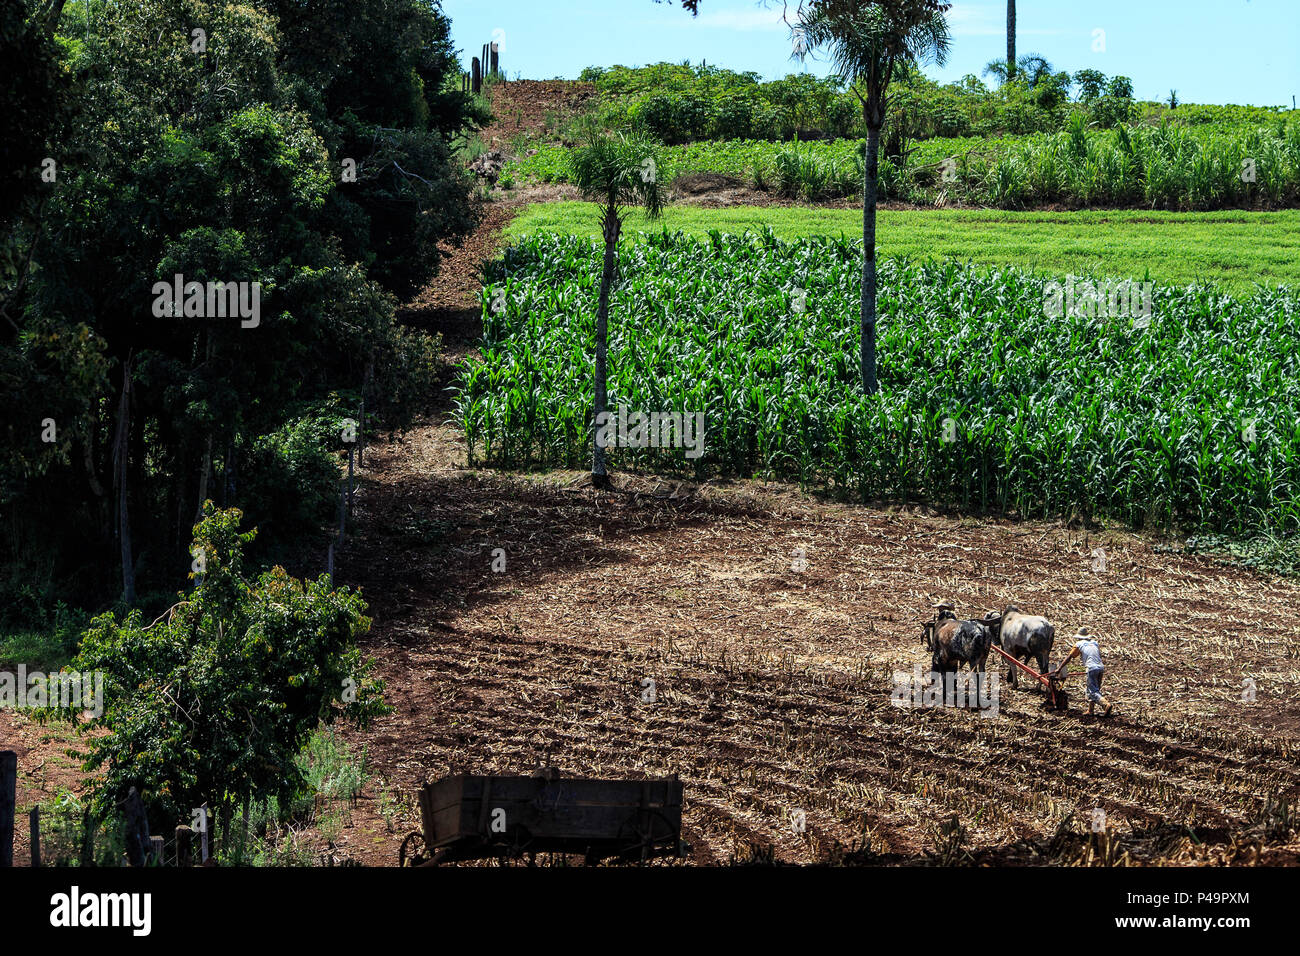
point(1023, 636)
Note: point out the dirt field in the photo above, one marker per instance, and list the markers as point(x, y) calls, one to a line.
point(773, 685)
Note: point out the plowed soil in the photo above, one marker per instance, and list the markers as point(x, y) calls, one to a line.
point(773, 686)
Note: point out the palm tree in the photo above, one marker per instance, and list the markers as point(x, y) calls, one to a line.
point(868, 43)
point(1011, 38)
point(1031, 70)
point(998, 70)
point(616, 171)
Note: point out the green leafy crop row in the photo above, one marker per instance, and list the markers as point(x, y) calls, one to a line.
point(986, 400)
point(1212, 166)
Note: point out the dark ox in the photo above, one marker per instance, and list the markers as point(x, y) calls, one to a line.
point(952, 643)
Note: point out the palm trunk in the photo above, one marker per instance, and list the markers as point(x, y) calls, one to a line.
point(612, 227)
point(868, 356)
point(1011, 38)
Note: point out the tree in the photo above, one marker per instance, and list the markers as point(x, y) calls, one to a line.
point(1011, 38)
point(1091, 84)
point(868, 43)
point(308, 148)
point(1033, 69)
point(998, 70)
point(616, 171)
point(214, 701)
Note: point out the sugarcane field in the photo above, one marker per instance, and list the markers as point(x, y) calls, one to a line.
point(454, 442)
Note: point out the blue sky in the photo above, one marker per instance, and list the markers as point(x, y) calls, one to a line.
point(1211, 51)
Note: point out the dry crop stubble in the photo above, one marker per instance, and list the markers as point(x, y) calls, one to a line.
point(766, 708)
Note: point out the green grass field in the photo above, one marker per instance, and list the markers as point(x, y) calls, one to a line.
point(1236, 249)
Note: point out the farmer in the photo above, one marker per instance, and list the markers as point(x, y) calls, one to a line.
point(1086, 647)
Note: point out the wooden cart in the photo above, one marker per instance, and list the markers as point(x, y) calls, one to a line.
point(466, 817)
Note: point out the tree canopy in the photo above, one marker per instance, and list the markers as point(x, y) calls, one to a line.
point(304, 150)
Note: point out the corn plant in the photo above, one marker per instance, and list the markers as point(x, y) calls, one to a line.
point(986, 401)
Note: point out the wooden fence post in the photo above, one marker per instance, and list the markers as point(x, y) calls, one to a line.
point(203, 834)
point(476, 75)
point(184, 848)
point(35, 818)
point(156, 850)
point(496, 64)
point(8, 799)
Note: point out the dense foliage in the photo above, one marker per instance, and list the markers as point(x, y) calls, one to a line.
point(304, 147)
point(1051, 416)
point(681, 103)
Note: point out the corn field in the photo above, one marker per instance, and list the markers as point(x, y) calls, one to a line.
point(1160, 168)
point(987, 401)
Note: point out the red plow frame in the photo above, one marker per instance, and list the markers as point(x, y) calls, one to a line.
point(1057, 699)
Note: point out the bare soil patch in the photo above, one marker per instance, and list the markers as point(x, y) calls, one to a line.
point(533, 108)
point(773, 685)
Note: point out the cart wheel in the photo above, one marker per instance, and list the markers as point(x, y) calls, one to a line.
point(645, 832)
point(414, 838)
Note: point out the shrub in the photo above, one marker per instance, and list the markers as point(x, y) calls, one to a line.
point(215, 701)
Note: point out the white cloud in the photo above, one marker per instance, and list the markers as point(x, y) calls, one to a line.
point(969, 20)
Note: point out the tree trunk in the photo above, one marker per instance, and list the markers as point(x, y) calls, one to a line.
point(227, 474)
point(88, 449)
point(361, 424)
point(122, 461)
point(203, 480)
point(1011, 38)
point(871, 172)
point(612, 227)
point(138, 842)
point(207, 453)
